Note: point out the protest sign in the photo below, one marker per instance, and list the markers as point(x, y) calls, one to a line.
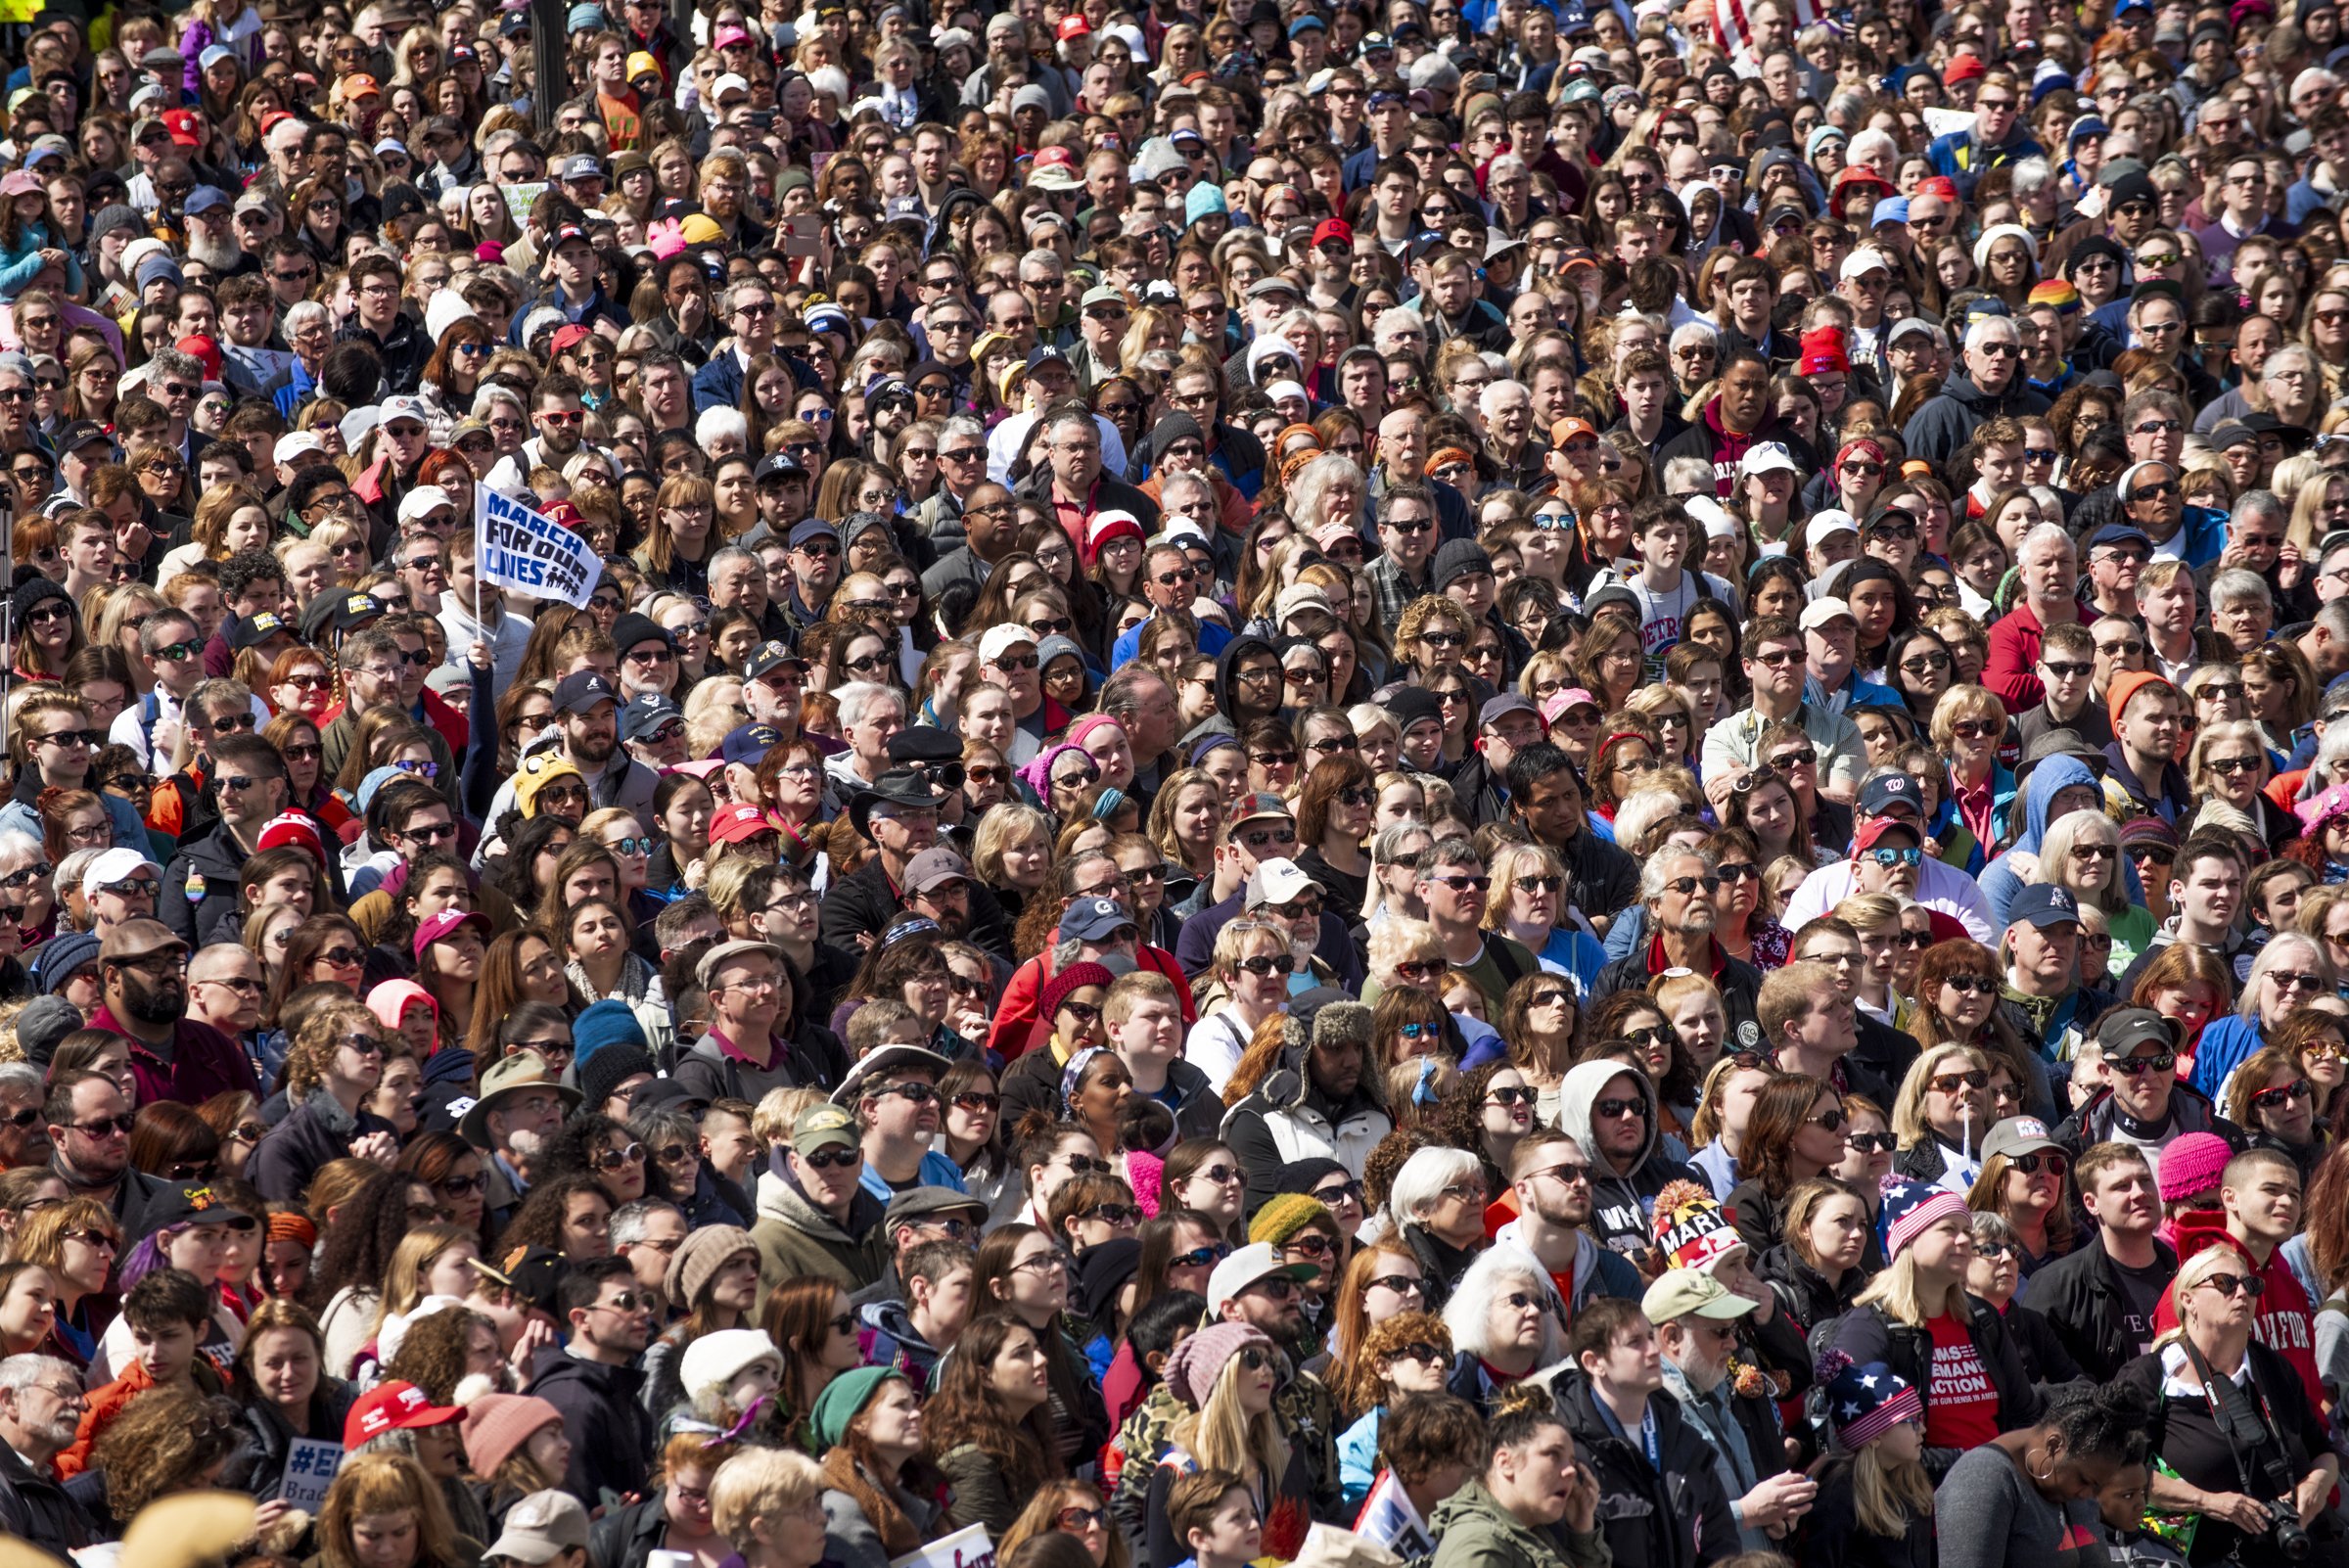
point(967, 1547)
point(310, 1466)
point(526, 552)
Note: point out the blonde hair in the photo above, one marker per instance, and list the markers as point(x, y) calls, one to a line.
point(1897, 1291)
point(1909, 1105)
point(1888, 1493)
point(2056, 854)
point(1511, 862)
point(777, 1110)
point(1222, 1436)
point(1869, 911)
point(2194, 1271)
point(759, 1483)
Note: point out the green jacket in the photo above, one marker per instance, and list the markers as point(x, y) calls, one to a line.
point(1473, 1530)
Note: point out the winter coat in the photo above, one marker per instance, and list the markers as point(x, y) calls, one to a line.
point(1804, 1295)
point(853, 1540)
point(258, 1466)
point(1729, 1420)
point(2000, 880)
point(1289, 1117)
point(611, 1432)
point(1949, 419)
point(1673, 1514)
point(1738, 982)
point(1623, 1206)
point(812, 1057)
point(35, 1509)
point(316, 1135)
point(1867, 1334)
point(977, 1494)
point(2092, 1123)
point(796, 1238)
point(627, 1537)
point(2080, 1297)
point(1474, 1530)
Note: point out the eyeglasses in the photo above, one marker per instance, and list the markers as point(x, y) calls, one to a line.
point(1952, 1082)
point(1264, 965)
point(2290, 980)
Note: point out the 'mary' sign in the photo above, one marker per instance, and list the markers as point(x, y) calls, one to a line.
point(525, 552)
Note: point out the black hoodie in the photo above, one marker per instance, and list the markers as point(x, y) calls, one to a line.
point(611, 1431)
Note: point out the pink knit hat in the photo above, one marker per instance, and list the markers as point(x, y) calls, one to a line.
point(2191, 1165)
point(1192, 1370)
point(496, 1425)
point(1146, 1174)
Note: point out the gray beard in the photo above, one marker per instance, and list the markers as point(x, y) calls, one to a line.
point(221, 255)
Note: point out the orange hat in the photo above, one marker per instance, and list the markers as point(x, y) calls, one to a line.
point(2128, 684)
point(358, 84)
point(1567, 429)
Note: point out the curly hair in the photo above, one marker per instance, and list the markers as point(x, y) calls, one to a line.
point(315, 1042)
point(1459, 1118)
point(433, 1355)
point(1364, 1381)
point(571, 1150)
point(165, 1440)
point(539, 1222)
point(360, 1244)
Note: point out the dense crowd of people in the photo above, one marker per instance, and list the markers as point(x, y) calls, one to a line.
point(1485, 785)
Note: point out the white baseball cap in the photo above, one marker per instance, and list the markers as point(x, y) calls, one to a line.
point(294, 443)
point(1244, 1268)
point(1866, 259)
point(1822, 610)
point(1001, 640)
point(1715, 518)
point(1827, 522)
point(1769, 457)
point(116, 865)
point(1276, 881)
point(423, 499)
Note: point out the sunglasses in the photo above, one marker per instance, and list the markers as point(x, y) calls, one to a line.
point(2275, 1099)
point(1871, 1142)
point(2055, 1165)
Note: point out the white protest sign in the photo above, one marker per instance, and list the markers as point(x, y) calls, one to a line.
point(528, 553)
point(310, 1466)
point(967, 1547)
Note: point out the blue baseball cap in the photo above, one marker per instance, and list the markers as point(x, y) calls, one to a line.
point(2044, 904)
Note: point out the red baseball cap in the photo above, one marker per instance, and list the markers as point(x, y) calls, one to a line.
point(738, 822)
point(1074, 26)
point(1876, 827)
point(1329, 229)
point(394, 1407)
point(185, 128)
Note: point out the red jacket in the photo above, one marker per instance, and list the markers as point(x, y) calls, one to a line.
point(2015, 639)
point(1017, 1020)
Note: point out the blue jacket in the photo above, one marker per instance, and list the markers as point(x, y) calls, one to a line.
point(2226, 1044)
point(20, 262)
point(2000, 883)
point(1964, 159)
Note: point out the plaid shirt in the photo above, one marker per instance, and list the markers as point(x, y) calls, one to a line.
point(1392, 592)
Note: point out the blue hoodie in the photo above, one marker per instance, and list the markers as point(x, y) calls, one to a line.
point(2000, 883)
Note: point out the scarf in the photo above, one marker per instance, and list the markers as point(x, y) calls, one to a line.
point(635, 980)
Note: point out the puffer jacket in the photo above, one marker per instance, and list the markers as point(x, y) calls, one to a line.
point(258, 1465)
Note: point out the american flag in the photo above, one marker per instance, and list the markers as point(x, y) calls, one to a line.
point(1735, 39)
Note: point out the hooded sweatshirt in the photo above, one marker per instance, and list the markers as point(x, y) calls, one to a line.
point(2001, 880)
point(1623, 1206)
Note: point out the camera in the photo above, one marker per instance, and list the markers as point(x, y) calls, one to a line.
point(2285, 1530)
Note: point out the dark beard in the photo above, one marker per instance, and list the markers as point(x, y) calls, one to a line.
point(162, 1006)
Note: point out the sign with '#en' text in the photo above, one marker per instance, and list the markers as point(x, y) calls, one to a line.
point(310, 1466)
point(525, 552)
point(967, 1547)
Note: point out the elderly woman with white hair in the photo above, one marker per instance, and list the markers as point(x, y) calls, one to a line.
point(1330, 488)
point(1436, 1207)
point(2290, 971)
point(1507, 1323)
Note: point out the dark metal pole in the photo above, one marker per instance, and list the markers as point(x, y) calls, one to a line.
point(547, 55)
